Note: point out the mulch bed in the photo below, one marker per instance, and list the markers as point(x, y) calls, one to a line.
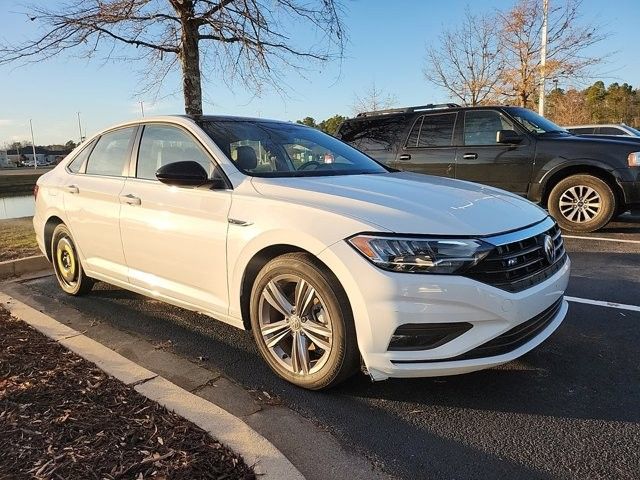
point(63, 418)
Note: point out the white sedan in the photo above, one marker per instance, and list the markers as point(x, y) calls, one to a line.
point(334, 261)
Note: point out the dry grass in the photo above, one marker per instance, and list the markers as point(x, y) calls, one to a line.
point(17, 239)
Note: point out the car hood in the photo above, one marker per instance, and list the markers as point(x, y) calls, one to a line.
point(408, 203)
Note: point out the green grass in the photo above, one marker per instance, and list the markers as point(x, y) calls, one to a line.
point(17, 239)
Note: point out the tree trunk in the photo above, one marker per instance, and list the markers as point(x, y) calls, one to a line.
point(190, 59)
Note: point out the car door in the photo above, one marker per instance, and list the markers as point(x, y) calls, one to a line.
point(91, 202)
point(174, 238)
point(482, 159)
point(429, 147)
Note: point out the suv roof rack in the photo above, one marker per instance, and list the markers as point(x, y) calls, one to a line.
point(430, 106)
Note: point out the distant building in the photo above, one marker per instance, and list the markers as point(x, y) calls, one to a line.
point(43, 156)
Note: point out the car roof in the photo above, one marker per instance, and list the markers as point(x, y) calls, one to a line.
point(422, 109)
point(594, 125)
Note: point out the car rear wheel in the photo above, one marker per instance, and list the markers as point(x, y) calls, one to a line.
point(302, 323)
point(582, 203)
point(66, 263)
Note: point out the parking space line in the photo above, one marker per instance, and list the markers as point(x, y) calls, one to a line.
point(600, 303)
point(603, 239)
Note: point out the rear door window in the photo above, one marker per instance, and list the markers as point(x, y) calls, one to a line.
point(611, 131)
point(435, 130)
point(111, 153)
point(374, 134)
point(583, 130)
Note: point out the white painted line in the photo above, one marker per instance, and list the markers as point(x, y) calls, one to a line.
point(600, 303)
point(602, 239)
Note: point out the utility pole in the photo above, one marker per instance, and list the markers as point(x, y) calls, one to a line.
point(142, 108)
point(79, 127)
point(543, 55)
point(33, 146)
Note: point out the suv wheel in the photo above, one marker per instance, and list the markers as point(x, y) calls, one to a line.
point(66, 263)
point(582, 203)
point(302, 323)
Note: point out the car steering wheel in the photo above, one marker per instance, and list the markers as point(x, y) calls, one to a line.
point(304, 166)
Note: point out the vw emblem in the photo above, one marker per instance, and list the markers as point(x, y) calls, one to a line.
point(549, 249)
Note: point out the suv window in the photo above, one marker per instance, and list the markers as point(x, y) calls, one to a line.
point(611, 131)
point(76, 163)
point(434, 130)
point(373, 135)
point(481, 126)
point(582, 130)
point(111, 153)
point(163, 144)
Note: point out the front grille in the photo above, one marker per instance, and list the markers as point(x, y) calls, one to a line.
point(522, 264)
point(508, 341)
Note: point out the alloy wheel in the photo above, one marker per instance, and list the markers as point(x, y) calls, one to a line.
point(580, 204)
point(295, 324)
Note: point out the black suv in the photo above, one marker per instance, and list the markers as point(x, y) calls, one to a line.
point(583, 181)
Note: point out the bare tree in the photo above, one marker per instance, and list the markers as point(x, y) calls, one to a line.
point(568, 108)
point(466, 61)
point(372, 100)
point(568, 42)
point(245, 41)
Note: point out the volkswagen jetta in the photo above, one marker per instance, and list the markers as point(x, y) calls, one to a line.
point(333, 260)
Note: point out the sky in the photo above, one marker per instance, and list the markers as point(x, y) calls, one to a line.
point(387, 42)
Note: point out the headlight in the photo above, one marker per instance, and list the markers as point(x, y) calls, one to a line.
point(634, 159)
point(420, 255)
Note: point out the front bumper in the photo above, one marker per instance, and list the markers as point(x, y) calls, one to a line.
point(382, 301)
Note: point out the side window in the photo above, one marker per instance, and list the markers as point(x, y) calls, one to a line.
point(375, 134)
point(434, 130)
point(111, 153)
point(611, 131)
point(481, 126)
point(77, 162)
point(582, 130)
point(163, 144)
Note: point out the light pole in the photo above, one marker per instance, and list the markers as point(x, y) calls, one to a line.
point(543, 55)
point(142, 108)
point(79, 127)
point(33, 146)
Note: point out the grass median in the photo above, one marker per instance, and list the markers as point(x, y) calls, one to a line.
point(62, 417)
point(17, 239)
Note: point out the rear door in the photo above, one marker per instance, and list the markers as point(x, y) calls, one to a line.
point(481, 159)
point(91, 201)
point(429, 147)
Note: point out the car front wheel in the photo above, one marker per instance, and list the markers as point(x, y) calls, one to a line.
point(582, 203)
point(66, 263)
point(302, 323)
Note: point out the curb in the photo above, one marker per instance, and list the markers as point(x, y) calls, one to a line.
point(21, 266)
point(268, 462)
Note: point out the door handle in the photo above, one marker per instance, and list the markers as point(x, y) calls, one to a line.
point(72, 189)
point(404, 156)
point(130, 199)
point(470, 156)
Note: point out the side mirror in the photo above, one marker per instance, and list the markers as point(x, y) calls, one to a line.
point(508, 136)
point(183, 174)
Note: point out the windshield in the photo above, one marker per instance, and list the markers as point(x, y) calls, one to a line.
point(534, 122)
point(271, 149)
point(634, 131)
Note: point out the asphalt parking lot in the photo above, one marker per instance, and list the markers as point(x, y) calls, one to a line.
point(569, 409)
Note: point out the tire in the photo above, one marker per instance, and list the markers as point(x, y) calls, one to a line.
point(66, 263)
point(582, 203)
point(322, 323)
